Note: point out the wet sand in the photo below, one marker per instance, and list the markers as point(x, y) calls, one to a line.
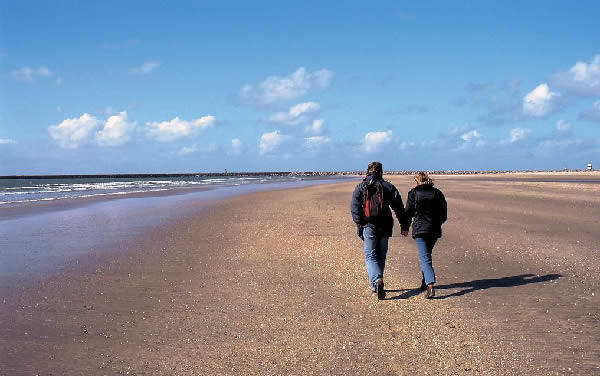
point(274, 283)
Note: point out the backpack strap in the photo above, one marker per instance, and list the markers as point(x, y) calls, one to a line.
point(367, 205)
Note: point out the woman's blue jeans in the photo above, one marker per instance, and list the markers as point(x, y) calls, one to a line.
point(425, 247)
point(376, 248)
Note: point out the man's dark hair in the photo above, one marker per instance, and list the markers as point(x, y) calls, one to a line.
point(375, 168)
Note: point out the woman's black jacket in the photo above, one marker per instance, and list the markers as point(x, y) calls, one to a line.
point(384, 222)
point(427, 205)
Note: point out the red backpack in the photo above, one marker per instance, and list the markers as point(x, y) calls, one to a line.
point(373, 198)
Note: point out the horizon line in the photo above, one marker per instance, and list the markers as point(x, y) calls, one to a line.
point(274, 173)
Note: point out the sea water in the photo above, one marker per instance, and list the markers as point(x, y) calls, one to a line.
point(41, 243)
point(34, 189)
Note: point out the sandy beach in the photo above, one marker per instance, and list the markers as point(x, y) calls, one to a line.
point(274, 283)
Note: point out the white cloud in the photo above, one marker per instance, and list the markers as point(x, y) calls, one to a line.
point(29, 74)
point(470, 139)
point(303, 108)
point(145, 68)
point(276, 88)
point(405, 145)
point(316, 141)
point(4, 141)
point(116, 131)
point(207, 149)
point(300, 113)
point(583, 78)
point(188, 150)
point(471, 136)
point(373, 140)
point(593, 113)
point(71, 133)
point(236, 146)
point(540, 101)
point(271, 141)
point(563, 125)
point(174, 129)
point(517, 134)
point(317, 126)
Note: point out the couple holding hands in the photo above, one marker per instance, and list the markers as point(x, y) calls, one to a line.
point(425, 207)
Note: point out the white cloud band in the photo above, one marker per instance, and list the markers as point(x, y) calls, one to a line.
point(29, 74)
point(118, 129)
point(298, 114)
point(177, 128)
point(276, 88)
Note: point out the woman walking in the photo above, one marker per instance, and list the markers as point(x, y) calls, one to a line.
point(426, 207)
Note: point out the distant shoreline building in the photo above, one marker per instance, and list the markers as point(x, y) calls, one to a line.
point(590, 168)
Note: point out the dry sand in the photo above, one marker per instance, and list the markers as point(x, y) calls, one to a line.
point(274, 283)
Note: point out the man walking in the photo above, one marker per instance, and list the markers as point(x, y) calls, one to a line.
point(371, 202)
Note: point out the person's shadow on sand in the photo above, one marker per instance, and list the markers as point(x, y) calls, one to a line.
point(478, 284)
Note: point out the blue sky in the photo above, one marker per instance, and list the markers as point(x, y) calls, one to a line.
point(141, 87)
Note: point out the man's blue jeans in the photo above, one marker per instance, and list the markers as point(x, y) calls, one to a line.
point(376, 248)
point(425, 247)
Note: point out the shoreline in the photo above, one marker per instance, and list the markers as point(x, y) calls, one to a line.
point(11, 210)
point(38, 241)
point(18, 209)
point(265, 284)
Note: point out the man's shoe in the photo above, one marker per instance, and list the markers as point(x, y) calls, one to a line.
point(423, 285)
point(380, 290)
point(430, 292)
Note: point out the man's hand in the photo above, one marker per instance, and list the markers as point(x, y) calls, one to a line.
point(359, 232)
point(404, 232)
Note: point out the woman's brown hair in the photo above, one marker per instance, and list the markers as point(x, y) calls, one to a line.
point(422, 178)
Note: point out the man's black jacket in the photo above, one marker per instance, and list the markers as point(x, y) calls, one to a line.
point(384, 222)
point(427, 205)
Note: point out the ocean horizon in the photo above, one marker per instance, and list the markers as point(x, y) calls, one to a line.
point(27, 189)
